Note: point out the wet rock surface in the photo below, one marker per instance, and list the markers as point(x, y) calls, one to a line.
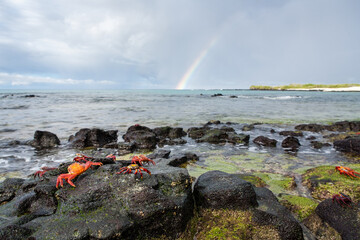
point(265, 141)
point(92, 138)
point(291, 143)
point(342, 126)
point(349, 145)
point(142, 137)
point(44, 139)
point(255, 207)
point(218, 135)
point(130, 205)
point(344, 220)
point(104, 205)
point(291, 133)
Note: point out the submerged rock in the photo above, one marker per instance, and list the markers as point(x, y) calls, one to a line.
point(92, 138)
point(44, 139)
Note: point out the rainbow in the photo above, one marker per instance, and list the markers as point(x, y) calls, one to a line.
point(189, 72)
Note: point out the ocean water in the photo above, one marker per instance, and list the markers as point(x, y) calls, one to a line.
point(65, 112)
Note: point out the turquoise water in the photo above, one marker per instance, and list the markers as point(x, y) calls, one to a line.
point(65, 112)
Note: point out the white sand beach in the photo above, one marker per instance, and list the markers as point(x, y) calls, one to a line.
point(348, 89)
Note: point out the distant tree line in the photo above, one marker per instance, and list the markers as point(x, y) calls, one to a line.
point(303, 86)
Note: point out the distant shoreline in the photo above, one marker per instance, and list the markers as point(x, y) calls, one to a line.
point(311, 87)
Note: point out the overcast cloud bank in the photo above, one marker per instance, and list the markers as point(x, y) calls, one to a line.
point(154, 43)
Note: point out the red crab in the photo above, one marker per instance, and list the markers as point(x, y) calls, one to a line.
point(342, 199)
point(140, 159)
point(43, 170)
point(347, 171)
point(137, 168)
point(74, 170)
point(81, 158)
point(112, 156)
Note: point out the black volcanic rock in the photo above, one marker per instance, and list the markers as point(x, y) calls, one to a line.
point(344, 220)
point(218, 136)
point(92, 138)
point(348, 145)
point(310, 127)
point(44, 139)
point(142, 137)
point(291, 133)
point(291, 143)
point(103, 205)
point(265, 141)
point(216, 189)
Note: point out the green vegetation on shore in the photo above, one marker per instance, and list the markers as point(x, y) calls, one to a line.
point(303, 86)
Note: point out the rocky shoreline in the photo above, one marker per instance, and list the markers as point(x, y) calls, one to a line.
point(169, 203)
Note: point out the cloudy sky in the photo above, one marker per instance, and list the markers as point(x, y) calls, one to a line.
point(122, 44)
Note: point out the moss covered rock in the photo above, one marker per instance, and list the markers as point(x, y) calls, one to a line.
point(228, 224)
point(325, 181)
point(301, 206)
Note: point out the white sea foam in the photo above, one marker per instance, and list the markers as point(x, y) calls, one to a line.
point(282, 97)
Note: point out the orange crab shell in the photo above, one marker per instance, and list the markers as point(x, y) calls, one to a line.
point(140, 159)
point(74, 170)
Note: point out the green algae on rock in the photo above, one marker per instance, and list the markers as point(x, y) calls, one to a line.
point(277, 183)
point(321, 229)
point(325, 181)
point(225, 224)
point(301, 206)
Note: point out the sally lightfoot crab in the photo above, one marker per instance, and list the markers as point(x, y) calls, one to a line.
point(342, 199)
point(74, 170)
point(347, 171)
point(134, 167)
point(141, 159)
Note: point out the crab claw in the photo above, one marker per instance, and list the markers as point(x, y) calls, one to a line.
point(43, 170)
point(112, 156)
point(68, 177)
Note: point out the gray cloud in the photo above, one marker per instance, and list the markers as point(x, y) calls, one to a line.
point(152, 43)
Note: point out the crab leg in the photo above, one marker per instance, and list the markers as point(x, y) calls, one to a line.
point(139, 171)
point(60, 179)
point(144, 169)
point(121, 171)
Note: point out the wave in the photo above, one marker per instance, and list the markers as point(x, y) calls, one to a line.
point(270, 97)
point(282, 97)
point(7, 130)
point(15, 107)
